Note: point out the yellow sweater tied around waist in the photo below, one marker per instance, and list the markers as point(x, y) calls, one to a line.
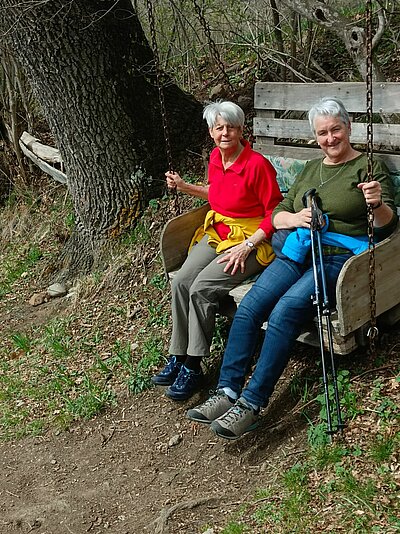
point(240, 229)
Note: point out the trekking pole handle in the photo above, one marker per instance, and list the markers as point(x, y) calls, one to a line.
point(308, 197)
point(310, 201)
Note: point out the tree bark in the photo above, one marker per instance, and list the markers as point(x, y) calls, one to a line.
point(90, 66)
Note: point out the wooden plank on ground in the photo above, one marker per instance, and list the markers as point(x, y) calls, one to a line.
point(48, 169)
point(45, 152)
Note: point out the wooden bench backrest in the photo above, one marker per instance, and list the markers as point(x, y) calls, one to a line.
point(281, 125)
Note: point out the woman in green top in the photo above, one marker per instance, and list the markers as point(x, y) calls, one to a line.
point(283, 292)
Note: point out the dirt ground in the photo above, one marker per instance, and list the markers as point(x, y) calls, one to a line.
point(142, 467)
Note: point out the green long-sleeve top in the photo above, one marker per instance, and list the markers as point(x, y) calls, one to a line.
point(338, 195)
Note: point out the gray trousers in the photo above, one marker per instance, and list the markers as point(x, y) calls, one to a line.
point(197, 289)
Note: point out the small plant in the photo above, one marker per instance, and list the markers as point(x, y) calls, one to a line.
point(140, 378)
point(300, 386)
point(22, 342)
point(234, 528)
point(158, 316)
point(91, 401)
point(324, 456)
point(70, 221)
point(139, 234)
point(317, 435)
point(159, 281)
point(382, 448)
point(15, 265)
point(154, 205)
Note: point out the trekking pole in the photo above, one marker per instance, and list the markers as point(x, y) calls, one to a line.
point(321, 301)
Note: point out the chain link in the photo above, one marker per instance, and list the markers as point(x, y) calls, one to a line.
point(214, 50)
point(161, 97)
point(372, 331)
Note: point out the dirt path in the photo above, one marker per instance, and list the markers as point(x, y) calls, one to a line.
point(143, 468)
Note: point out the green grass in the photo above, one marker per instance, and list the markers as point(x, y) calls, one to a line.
point(15, 263)
point(51, 378)
point(140, 377)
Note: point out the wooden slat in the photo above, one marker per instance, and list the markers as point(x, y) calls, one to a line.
point(177, 235)
point(300, 96)
point(387, 135)
point(287, 151)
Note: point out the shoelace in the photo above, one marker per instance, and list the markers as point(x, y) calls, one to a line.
point(184, 374)
point(214, 399)
point(173, 362)
point(235, 412)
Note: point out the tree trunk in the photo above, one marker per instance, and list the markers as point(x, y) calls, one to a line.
point(278, 37)
point(90, 66)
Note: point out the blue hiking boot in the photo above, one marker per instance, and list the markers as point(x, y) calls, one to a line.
point(185, 385)
point(167, 376)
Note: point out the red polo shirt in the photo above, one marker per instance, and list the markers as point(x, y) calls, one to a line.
point(248, 188)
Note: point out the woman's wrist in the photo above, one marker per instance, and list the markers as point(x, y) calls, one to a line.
point(250, 244)
point(377, 205)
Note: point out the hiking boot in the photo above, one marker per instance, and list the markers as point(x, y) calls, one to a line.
point(240, 418)
point(214, 407)
point(168, 375)
point(186, 383)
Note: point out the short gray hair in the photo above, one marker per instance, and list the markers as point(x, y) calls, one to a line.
point(230, 112)
point(328, 106)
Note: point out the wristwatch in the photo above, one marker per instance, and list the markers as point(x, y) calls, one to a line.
point(250, 244)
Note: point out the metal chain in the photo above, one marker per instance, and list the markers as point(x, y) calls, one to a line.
point(373, 330)
point(161, 97)
point(215, 53)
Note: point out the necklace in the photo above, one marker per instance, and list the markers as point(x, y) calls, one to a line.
point(322, 182)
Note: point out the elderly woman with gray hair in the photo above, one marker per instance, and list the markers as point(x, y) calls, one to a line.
point(232, 245)
point(283, 292)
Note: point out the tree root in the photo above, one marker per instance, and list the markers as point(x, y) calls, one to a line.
point(160, 523)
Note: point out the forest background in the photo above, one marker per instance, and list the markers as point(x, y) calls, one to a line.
point(75, 369)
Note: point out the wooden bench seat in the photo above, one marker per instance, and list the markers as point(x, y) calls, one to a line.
point(283, 135)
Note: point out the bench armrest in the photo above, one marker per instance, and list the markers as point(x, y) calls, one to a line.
point(352, 289)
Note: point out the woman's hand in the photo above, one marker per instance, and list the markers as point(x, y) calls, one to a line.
point(174, 181)
point(372, 192)
point(287, 220)
point(235, 258)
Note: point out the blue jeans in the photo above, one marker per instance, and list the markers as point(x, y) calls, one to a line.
point(283, 296)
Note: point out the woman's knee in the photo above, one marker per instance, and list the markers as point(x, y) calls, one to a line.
point(298, 308)
point(251, 308)
point(180, 282)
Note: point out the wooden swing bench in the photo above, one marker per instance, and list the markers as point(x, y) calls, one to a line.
point(282, 135)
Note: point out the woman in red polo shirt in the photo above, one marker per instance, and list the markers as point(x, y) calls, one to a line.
point(232, 245)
